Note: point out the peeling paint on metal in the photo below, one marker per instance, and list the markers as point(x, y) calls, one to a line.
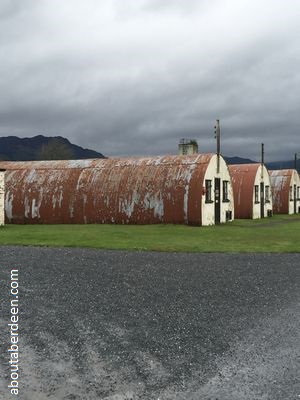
point(26, 208)
point(281, 181)
point(185, 202)
point(244, 177)
point(9, 197)
point(165, 189)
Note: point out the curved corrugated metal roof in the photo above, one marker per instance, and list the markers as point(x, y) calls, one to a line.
point(109, 163)
point(281, 182)
point(164, 189)
point(243, 178)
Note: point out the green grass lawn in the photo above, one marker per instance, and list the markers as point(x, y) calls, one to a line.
point(280, 233)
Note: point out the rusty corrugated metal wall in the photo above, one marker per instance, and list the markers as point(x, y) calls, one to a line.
point(139, 191)
point(243, 178)
point(281, 181)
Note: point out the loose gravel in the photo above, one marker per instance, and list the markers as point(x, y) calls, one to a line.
point(119, 325)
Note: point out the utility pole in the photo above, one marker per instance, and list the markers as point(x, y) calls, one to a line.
point(262, 159)
point(262, 153)
point(295, 162)
point(218, 137)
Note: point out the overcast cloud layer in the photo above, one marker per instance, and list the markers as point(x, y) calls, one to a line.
point(132, 77)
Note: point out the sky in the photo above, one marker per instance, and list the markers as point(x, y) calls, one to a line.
point(133, 77)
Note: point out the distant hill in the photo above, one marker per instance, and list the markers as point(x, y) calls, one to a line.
point(270, 165)
point(284, 165)
point(238, 160)
point(13, 148)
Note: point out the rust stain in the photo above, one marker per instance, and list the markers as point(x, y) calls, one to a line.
point(243, 178)
point(164, 189)
point(281, 180)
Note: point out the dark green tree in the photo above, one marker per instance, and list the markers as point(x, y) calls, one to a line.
point(55, 149)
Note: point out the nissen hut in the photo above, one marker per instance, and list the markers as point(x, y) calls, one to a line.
point(194, 190)
point(286, 191)
point(252, 190)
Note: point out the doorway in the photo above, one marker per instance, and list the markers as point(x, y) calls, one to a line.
point(262, 200)
point(217, 200)
point(295, 199)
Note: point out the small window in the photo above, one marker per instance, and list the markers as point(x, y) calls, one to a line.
point(256, 193)
point(291, 193)
point(267, 194)
point(208, 191)
point(298, 192)
point(225, 191)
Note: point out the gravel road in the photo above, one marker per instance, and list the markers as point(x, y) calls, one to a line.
point(139, 325)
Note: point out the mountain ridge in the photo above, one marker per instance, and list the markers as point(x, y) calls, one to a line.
point(287, 164)
point(13, 148)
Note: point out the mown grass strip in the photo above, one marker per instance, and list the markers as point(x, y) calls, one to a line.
point(277, 234)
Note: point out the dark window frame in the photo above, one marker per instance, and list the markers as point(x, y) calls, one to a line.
point(208, 191)
point(267, 194)
point(291, 193)
point(225, 187)
point(256, 194)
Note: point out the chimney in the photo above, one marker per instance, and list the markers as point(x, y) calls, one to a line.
point(187, 146)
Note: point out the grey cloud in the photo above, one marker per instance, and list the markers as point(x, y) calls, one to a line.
point(157, 6)
point(10, 8)
point(121, 89)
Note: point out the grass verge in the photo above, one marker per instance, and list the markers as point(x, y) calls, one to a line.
point(278, 234)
